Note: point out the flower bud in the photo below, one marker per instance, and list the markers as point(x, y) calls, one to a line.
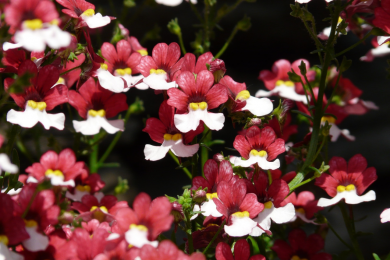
point(177, 212)
point(217, 67)
point(218, 157)
point(174, 27)
point(254, 121)
point(199, 196)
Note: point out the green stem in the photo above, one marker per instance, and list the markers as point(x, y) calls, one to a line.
point(354, 45)
point(269, 177)
point(183, 49)
point(214, 237)
point(224, 47)
point(316, 40)
point(338, 236)
point(24, 150)
point(204, 152)
point(93, 157)
point(75, 68)
point(334, 91)
point(196, 12)
point(189, 234)
point(185, 170)
point(206, 25)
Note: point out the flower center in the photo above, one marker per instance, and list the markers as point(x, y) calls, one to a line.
point(34, 24)
point(123, 72)
point(268, 205)
point(30, 223)
point(196, 106)
point(4, 240)
point(295, 257)
point(36, 105)
point(94, 113)
point(211, 196)
point(61, 81)
point(103, 66)
point(143, 52)
point(300, 210)
point(89, 12)
point(102, 208)
point(175, 137)
point(342, 188)
point(57, 173)
point(99, 214)
point(243, 95)
point(287, 83)
point(241, 214)
point(328, 119)
point(139, 227)
point(157, 71)
point(262, 153)
point(85, 188)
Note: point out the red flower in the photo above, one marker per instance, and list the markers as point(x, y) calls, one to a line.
point(284, 131)
point(305, 205)
point(86, 185)
point(301, 246)
point(382, 16)
point(192, 65)
point(71, 77)
point(242, 251)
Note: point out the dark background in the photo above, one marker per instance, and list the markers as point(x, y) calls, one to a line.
point(274, 35)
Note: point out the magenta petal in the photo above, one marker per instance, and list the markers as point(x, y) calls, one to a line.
point(242, 250)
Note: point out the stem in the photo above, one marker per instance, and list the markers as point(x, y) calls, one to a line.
point(185, 170)
point(354, 45)
point(316, 41)
point(75, 68)
point(30, 203)
point(189, 235)
point(338, 236)
point(334, 91)
point(224, 47)
point(269, 177)
point(93, 157)
point(193, 7)
point(349, 224)
point(206, 25)
point(214, 237)
point(183, 49)
point(204, 152)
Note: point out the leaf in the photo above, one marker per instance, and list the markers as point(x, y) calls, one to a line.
point(254, 246)
point(302, 114)
point(376, 257)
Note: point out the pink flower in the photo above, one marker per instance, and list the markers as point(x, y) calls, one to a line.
point(305, 205)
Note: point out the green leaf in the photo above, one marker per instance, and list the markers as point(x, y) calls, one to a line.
point(302, 114)
point(298, 179)
point(345, 64)
point(122, 186)
point(294, 77)
point(254, 246)
point(376, 257)
point(129, 3)
point(72, 56)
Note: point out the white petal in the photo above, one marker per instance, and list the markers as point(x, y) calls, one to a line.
point(264, 218)
point(351, 197)
point(334, 132)
point(302, 1)
point(289, 93)
point(132, 80)
point(304, 218)
point(138, 238)
point(323, 202)
point(77, 196)
point(159, 82)
point(381, 51)
point(263, 93)
point(31, 179)
point(155, 153)
point(58, 181)
point(6, 165)
point(266, 165)
point(196, 208)
point(324, 35)
point(240, 226)
point(55, 37)
point(258, 106)
point(12, 192)
point(110, 82)
point(113, 236)
point(92, 125)
point(8, 46)
point(182, 150)
point(190, 121)
point(210, 208)
point(245, 163)
point(283, 214)
point(347, 135)
point(30, 117)
point(31, 40)
point(370, 105)
point(382, 39)
point(385, 216)
point(256, 232)
point(37, 241)
point(96, 21)
point(169, 2)
point(6, 254)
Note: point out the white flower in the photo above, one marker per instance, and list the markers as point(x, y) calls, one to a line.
point(37, 241)
point(196, 113)
point(36, 112)
point(260, 158)
point(257, 106)
point(95, 121)
point(242, 224)
point(385, 216)
point(173, 143)
point(6, 165)
point(95, 20)
point(173, 2)
point(157, 80)
point(6, 254)
point(137, 236)
point(350, 195)
point(285, 89)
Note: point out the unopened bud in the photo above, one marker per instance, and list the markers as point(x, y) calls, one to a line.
point(217, 67)
point(254, 121)
point(174, 27)
point(177, 212)
point(199, 196)
point(66, 218)
point(218, 157)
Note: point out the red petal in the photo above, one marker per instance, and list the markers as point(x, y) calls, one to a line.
point(242, 250)
point(123, 49)
point(177, 99)
point(199, 181)
point(304, 197)
point(141, 205)
point(278, 190)
point(186, 82)
point(166, 113)
point(224, 191)
point(233, 87)
point(242, 146)
point(47, 77)
point(225, 171)
point(338, 169)
point(282, 249)
point(238, 192)
point(267, 137)
point(146, 64)
point(49, 160)
point(159, 54)
point(78, 102)
point(275, 149)
point(223, 252)
point(365, 180)
point(216, 96)
point(382, 19)
point(173, 54)
point(109, 52)
point(253, 137)
point(66, 159)
point(356, 165)
point(327, 183)
point(133, 61)
point(28, 66)
point(167, 250)
point(202, 60)
point(109, 201)
point(297, 239)
point(124, 217)
point(45, 11)
point(204, 81)
point(156, 129)
point(56, 96)
point(188, 63)
point(189, 136)
point(314, 243)
point(251, 205)
point(115, 104)
point(89, 201)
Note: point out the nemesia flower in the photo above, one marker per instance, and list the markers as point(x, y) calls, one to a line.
point(301, 247)
point(242, 251)
point(6, 165)
point(35, 23)
point(377, 51)
point(96, 104)
point(60, 168)
point(238, 207)
point(159, 69)
point(120, 64)
point(142, 225)
point(278, 83)
point(271, 195)
point(283, 131)
point(118, 251)
point(214, 174)
point(305, 206)
point(259, 147)
point(241, 99)
point(324, 35)
point(174, 2)
point(347, 182)
point(381, 20)
point(134, 43)
point(196, 97)
point(385, 215)
point(13, 58)
point(71, 77)
point(85, 12)
point(89, 185)
point(201, 238)
point(193, 65)
point(164, 132)
point(38, 98)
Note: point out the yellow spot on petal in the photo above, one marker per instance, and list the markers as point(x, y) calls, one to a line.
point(94, 113)
point(194, 106)
point(103, 66)
point(139, 227)
point(34, 24)
point(350, 187)
point(328, 119)
point(300, 210)
point(295, 257)
point(167, 137)
point(36, 105)
point(127, 71)
point(143, 52)
point(243, 95)
point(30, 223)
point(55, 22)
point(285, 83)
point(268, 205)
point(61, 81)
point(157, 71)
point(120, 72)
point(104, 209)
point(56, 173)
point(84, 188)
point(262, 153)
point(340, 188)
point(242, 214)
point(339, 20)
point(34, 58)
point(211, 196)
point(89, 12)
point(203, 105)
point(176, 137)
point(4, 240)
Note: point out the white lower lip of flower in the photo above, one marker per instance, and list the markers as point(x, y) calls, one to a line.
point(110, 82)
point(155, 153)
point(241, 226)
point(196, 208)
point(304, 218)
point(350, 197)
point(113, 236)
point(8, 46)
point(96, 20)
point(278, 215)
point(382, 39)
point(12, 192)
point(190, 121)
point(55, 181)
point(335, 132)
point(6, 165)
point(385, 216)
point(37, 241)
point(132, 80)
point(284, 92)
point(139, 238)
point(261, 162)
point(159, 82)
point(381, 50)
point(370, 104)
point(77, 196)
point(324, 35)
point(258, 106)
point(92, 125)
point(36, 40)
point(210, 209)
point(6, 254)
point(173, 2)
point(30, 117)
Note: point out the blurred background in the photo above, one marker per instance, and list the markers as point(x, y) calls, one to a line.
point(274, 35)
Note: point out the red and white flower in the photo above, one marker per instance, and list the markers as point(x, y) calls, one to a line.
point(90, 185)
point(305, 206)
point(96, 104)
point(259, 147)
point(163, 131)
point(196, 96)
point(38, 98)
point(377, 51)
point(347, 182)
